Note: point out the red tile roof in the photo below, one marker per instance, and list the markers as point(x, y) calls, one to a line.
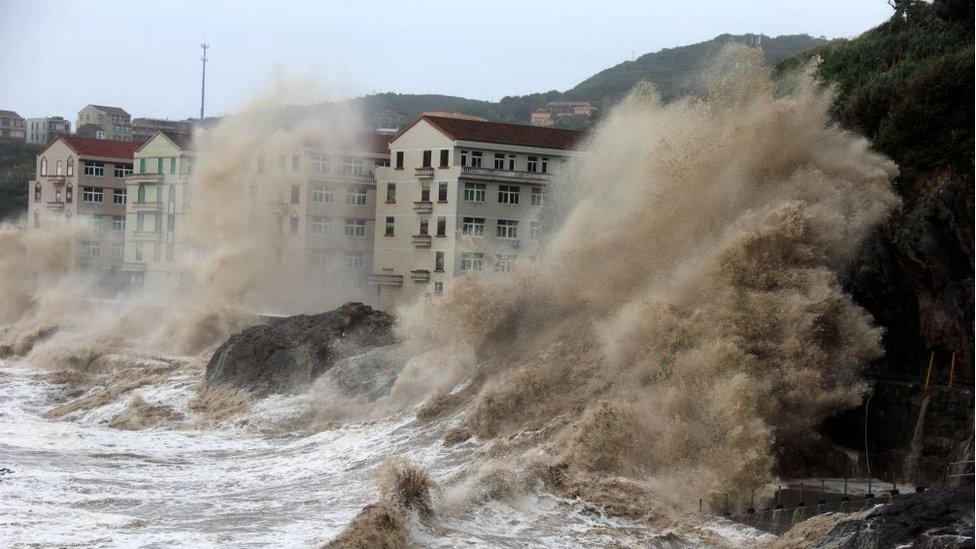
point(100, 147)
point(460, 129)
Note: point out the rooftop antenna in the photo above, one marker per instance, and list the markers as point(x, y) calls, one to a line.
point(203, 82)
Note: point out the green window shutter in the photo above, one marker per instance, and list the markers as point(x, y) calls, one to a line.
point(158, 222)
point(159, 166)
point(172, 165)
point(159, 192)
point(142, 165)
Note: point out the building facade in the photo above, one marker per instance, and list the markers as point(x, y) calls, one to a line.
point(42, 131)
point(461, 197)
point(156, 209)
point(102, 122)
point(83, 180)
point(12, 126)
point(143, 129)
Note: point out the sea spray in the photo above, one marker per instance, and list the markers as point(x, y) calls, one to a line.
point(686, 316)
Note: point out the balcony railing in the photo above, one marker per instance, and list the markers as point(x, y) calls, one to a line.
point(134, 266)
point(420, 275)
point(386, 279)
point(423, 207)
point(56, 179)
point(503, 175)
point(421, 240)
point(55, 205)
point(146, 206)
point(424, 173)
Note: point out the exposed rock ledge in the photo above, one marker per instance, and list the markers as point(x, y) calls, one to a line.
point(290, 353)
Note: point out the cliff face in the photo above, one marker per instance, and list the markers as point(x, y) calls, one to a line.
point(908, 86)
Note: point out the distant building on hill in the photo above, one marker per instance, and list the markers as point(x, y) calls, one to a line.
point(542, 118)
point(112, 123)
point(143, 129)
point(42, 131)
point(12, 126)
point(545, 118)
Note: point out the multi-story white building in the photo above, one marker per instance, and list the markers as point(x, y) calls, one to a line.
point(85, 179)
point(158, 200)
point(102, 122)
point(42, 131)
point(462, 196)
point(12, 126)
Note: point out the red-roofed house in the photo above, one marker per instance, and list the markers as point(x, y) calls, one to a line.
point(12, 126)
point(462, 196)
point(83, 179)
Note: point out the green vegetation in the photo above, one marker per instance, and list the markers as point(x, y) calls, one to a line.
point(16, 169)
point(908, 85)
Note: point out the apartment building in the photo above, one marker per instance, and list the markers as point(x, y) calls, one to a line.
point(42, 131)
point(83, 179)
point(12, 126)
point(102, 122)
point(158, 200)
point(325, 202)
point(144, 129)
point(462, 197)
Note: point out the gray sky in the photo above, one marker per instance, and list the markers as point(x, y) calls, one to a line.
point(58, 56)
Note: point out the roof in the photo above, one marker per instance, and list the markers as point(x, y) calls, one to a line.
point(99, 147)
point(460, 129)
point(373, 142)
point(180, 139)
point(111, 110)
point(379, 142)
point(9, 114)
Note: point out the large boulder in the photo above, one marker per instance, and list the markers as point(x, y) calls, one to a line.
point(289, 353)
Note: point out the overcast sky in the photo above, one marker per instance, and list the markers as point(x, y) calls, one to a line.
point(58, 56)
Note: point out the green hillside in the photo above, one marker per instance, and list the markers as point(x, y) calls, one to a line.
point(16, 168)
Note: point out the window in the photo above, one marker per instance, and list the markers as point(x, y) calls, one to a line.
point(296, 163)
point(533, 164)
point(545, 165)
point(438, 288)
point(438, 262)
point(318, 163)
point(159, 166)
point(318, 258)
point(321, 225)
point(382, 162)
point(442, 191)
point(142, 165)
point(37, 191)
point(141, 221)
point(508, 194)
point(123, 170)
point(141, 194)
point(321, 193)
point(464, 158)
point(441, 226)
point(391, 193)
point(91, 249)
point(505, 263)
point(507, 228)
point(390, 225)
point(95, 223)
point(427, 159)
point(71, 166)
point(296, 194)
point(355, 227)
point(445, 156)
point(352, 166)
point(57, 168)
point(471, 261)
point(118, 251)
point(399, 160)
point(43, 166)
point(476, 159)
point(92, 194)
point(425, 192)
point(118, 223)
point(423, 227)
point(171, 194)
point(159, 194)
point(535, 230)
point(473, 226)
point(511, 162)
point(118, 196)
point(96, 169)
point(499, 161)
point(536, 196)
point(171, 222)
point(172, 165)
point(158, 222)
point(139, 251)
point(356, 196)
point(293, 228)
point(354, 261)
point(474, 192)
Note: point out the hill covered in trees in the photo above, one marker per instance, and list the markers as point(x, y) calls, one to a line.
point(16, 168)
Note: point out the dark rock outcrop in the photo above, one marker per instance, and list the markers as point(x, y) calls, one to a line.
point(291, 352)
point(941, 518)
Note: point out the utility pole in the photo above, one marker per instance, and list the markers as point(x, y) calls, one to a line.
point(203, 82)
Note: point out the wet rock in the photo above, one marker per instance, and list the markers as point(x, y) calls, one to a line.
point(941, 518)
point(291, 352)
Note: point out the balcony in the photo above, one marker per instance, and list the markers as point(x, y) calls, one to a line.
point(420, 275)
point(504, 175)
point(55, 205)
point(55, 179)
point(134, 266)
point(424, 173)
point(421, 240)
point(386, 279)
point(366, 177)
point(423, 207)
point(146, 206)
